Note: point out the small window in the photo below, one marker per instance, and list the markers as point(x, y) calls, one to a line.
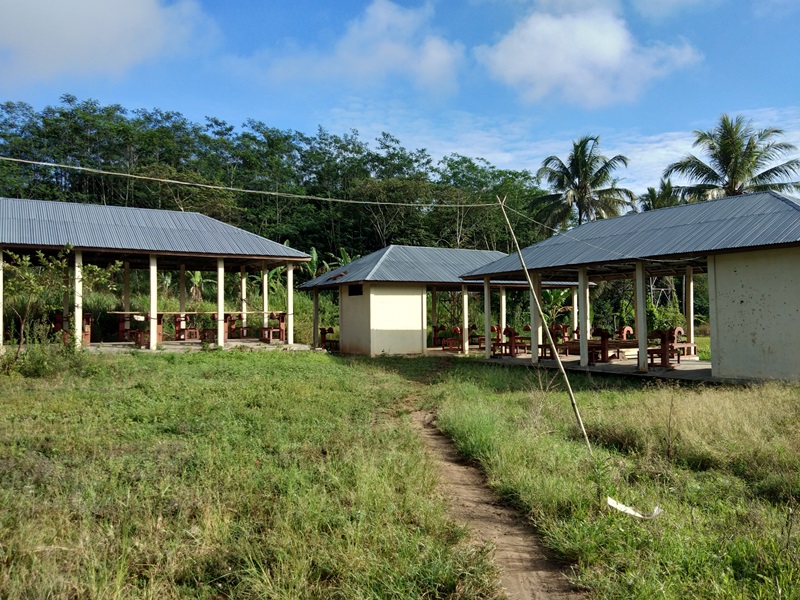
point(355, 290)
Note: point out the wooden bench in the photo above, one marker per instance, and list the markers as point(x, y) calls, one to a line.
point(669, 347)
point(209, 336)
point(514, 346)
point(560, 335)
point(495, 337)
point(523, 343)
point(274, 332)
point(455, 342)
point(183, 331)
point(677, 337)
point(236, 331)
point(330, 344)
point(141, 337)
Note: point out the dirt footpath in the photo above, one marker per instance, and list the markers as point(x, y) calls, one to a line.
point(526, 573)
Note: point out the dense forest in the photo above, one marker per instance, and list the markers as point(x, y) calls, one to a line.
point(337, 196)
point(300, 187)
point(158, 144)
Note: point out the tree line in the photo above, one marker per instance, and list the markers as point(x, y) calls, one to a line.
point(405, 196)
point(398, 185)
point(165, 145)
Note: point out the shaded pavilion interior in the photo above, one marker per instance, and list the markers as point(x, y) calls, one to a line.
point(729, 238)
point(436, 270)
point(144, 239)
point(638, 271)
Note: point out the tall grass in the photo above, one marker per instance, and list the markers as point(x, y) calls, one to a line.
point(703, 347)
point(723, 463)
point(223, 475)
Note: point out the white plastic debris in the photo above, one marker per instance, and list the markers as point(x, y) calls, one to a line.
point(630, 511)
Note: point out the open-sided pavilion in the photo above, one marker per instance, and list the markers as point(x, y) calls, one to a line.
point(749, 245)
point(143, 239)
point(383, 296)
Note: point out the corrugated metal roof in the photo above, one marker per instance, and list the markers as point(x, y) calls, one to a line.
point(43, 224)
point(413, 264)
point(407, 264)
point(727, 224)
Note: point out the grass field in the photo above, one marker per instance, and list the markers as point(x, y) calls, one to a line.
point(723, 463)
point(298, 475)
point(703, 347)
point(223, 475)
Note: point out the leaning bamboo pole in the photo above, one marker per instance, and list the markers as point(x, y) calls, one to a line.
point(546, 328)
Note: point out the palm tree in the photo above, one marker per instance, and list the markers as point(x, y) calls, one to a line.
point(583, 187)
point(666, 195)
point(739, 159)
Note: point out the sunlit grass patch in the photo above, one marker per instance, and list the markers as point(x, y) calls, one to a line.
point(722, 462)
point(223, 475)
point(703, 347)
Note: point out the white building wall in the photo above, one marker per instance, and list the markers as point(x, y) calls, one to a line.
point(397, 319)
point(354, 321)
point(755, 314)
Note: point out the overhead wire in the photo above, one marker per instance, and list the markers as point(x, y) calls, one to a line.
point(225, 188)
point(566, 234)
point(290, 196)
point(557, 233)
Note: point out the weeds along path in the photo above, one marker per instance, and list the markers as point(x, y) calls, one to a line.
point(525, 571)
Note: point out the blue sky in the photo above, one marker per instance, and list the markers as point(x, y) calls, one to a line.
point(511, 81)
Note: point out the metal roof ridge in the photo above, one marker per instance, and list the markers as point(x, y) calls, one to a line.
point(110, 206)
point(792, 202)
point(372, 271)
point(786, 199)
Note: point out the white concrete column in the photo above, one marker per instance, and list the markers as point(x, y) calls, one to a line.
point(264, 294)
point(574, 312)
point(221, 303)
point(126, 294)
point(536, 320)
point(182, 298)
point(316, 318)
point(424, 323)
point(640, 292)
point(583, 314)
point(688, 303)
point(153, 302)
point(713, 322)
point(289, 303)
point(635, 308)
point(487, 316)
point(465, 318)
point(434, 308)
point(77, 316)
point(503, 322)
point(2, 307)
point(243, 280)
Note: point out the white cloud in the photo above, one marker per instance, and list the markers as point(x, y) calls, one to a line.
point(387, 40)
point(48, 39)
point(523, 143)
point(648, 156)
point(589, 59)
